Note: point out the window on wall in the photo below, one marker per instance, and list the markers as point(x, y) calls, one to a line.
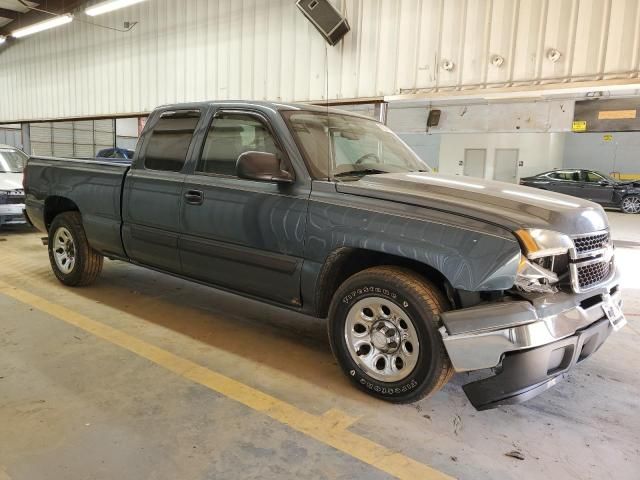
point(230, 135)
point(170, 140)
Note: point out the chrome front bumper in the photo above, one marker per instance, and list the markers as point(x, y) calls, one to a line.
point(11, 213)
point(477, 338)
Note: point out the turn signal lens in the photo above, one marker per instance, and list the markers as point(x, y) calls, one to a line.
point(528, 243)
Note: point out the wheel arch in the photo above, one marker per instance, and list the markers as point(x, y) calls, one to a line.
point(55, 205)
point(345, 262)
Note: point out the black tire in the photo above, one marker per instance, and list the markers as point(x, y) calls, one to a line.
point(630, 204)
point(422, 302)
point(87, 262)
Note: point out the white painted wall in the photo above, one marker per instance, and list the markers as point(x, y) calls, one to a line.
point(184, 50)
point(537, 151)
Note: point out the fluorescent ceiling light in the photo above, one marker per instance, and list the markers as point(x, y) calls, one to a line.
point(109, 6)
point(447, 181)
point(541, 198)
point(39, 27)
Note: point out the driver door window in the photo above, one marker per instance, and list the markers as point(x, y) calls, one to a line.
point(593, 177)
point(230, 135)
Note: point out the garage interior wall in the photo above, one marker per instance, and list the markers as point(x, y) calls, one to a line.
point(79, 139)
point(11, 135)
point(612, 152)
point(536, 130)
point(254, 49)
point(127, 133)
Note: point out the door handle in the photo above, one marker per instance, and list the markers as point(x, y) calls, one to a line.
point(194, 197)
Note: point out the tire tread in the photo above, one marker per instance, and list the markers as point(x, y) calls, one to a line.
point(90, 262)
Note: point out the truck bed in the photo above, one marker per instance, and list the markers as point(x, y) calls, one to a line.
point(94, 186)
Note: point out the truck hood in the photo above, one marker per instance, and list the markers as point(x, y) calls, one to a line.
point(10, 181)
point(504, 204)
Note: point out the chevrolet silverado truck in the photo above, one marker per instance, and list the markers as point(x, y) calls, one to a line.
point(328, 213)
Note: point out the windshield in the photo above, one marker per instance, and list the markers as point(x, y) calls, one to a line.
point(12, 160)
point(345, 147)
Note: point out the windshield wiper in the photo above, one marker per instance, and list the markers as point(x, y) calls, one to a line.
point(364, 171)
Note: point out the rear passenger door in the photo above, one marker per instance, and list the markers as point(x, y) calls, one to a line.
point(153, 191)
point(244, 235)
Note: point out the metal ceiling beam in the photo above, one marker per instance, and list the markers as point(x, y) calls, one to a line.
point(33, 16)
point(12, 14)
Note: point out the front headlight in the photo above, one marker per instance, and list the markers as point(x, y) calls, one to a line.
point(538, 243)
point(540, 249)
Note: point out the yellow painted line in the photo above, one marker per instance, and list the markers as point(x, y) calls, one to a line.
point(339, 419)
point(330, 428)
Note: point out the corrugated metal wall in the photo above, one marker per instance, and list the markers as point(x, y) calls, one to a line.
point(80, 139)
point(11, 136)
point(257, 49)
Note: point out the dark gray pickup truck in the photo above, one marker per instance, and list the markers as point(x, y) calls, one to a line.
point(324, 212)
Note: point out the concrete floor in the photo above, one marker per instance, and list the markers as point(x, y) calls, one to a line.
point(76, 405)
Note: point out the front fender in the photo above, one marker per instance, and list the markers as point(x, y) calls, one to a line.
point(470, 254)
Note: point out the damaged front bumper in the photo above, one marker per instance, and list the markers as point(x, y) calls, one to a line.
point(529, 345)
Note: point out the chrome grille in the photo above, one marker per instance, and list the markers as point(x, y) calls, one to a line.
point(591, 242)
point(592, 274)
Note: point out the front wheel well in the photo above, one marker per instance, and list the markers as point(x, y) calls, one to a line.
point(345, 262)
point(54, 206)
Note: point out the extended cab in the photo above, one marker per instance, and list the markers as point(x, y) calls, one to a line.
point(331, 214)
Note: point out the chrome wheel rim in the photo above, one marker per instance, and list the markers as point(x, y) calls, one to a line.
point(64, 251)
point(382, 339)
point(631, 204)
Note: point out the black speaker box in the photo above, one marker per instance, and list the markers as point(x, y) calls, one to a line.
point(327, 20)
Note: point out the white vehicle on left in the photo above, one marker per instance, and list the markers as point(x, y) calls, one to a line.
point(12, 163)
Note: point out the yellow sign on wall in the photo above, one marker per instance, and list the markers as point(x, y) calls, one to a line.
point(607, 138)
point(579, 126)
point(616, 114)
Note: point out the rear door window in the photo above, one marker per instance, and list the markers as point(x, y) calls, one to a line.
point(170, 139)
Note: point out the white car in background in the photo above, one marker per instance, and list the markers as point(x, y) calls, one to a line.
point(12, 163)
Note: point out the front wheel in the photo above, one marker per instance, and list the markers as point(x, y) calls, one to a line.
point(72, 259)
point(631, 204)
point(383, 329)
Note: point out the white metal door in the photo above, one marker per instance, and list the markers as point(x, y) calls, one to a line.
point(506, 166)
point(475, 160)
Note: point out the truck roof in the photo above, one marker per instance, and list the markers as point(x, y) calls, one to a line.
point(280, 106)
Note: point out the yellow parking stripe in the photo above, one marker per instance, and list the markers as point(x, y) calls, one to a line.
point(330, 428)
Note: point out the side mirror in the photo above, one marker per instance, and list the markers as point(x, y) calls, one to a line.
point(261, 166)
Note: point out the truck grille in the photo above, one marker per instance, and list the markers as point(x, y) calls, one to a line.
point(591, 242)
point(592, 274)
point(591, 260)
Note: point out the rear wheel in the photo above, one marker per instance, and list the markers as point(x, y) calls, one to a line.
point(72, 259)
point(631, 204)
point(383, 329)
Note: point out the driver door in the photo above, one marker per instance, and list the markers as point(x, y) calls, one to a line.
point(245, 235)
point(597, 188)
